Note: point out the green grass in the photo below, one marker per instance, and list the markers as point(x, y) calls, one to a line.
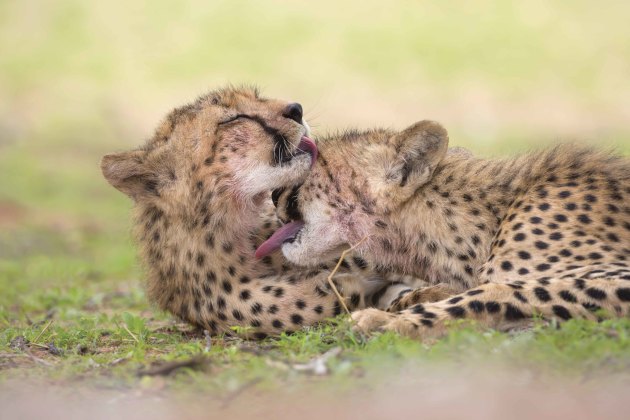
point(78, 80)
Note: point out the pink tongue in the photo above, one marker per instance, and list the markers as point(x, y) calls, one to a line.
point(309, 146)
point(278, 238)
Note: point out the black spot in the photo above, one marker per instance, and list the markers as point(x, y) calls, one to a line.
point(523, 271)
point(237, 315)
point(561, 312)
point(336, 309)
point(535, 220)
point(297, 319)
point(227, 286)
point(318, 309)
point(579, 284)
point(583, 218)
point(474, 292)
point(380, 224)
point(623, 294)
point(556, 236)
point(209, 240)
point(519, 237)
point(245, 294)
point(300, 304)
point(567, 296)
point(360, 262)
point(570, 206)
point(506, 266)
point(455, 299)
point(595, 256)
point(279, 292)
point(524, 255)
point(595, 293)
point(493, 307)
point(244, 280)
point(417, 309)
point(256, 308)
point(544, 206)
point(543, 267)
point(542, 294)
point(427, 323)
point(520, 297)
point(591, 306)
point(277, 323)
point(560, 218)
point(476, 306)
point(541, 245)
point(273, 309)
point(564, 194)
point(458, 311)
point(613, 237)
point(512, 313)
point(221, 303)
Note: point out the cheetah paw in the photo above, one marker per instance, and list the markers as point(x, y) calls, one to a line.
point(370, 320)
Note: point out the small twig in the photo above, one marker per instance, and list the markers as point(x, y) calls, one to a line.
point(332, 274)
point(43, 330)
point(168, 368)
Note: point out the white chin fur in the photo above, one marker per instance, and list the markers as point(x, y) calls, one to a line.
point(312, 247)
point(265, 178)
point(307, 127)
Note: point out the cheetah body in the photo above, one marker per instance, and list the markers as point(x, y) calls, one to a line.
point(546, 233)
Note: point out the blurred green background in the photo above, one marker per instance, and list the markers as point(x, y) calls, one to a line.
point(79, 79)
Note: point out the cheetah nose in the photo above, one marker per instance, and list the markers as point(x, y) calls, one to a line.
point(294, 112)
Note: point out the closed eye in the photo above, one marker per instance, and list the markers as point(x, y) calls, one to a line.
point(232, 119)
point(268, 129)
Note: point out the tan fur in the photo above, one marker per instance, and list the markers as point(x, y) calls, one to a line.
point(201, 191)
point(556, 220)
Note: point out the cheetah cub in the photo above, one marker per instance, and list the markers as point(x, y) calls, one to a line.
point(201, 190)
point(545, 234)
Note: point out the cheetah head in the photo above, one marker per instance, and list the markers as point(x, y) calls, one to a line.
point(359, 180)
point(231, 140)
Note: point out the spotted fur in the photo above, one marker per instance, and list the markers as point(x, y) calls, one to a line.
point(202, 205)
point(544, 234)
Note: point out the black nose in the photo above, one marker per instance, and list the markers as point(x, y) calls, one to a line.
point(294, 111)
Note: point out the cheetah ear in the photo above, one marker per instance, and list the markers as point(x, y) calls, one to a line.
point(127, 172)
point(421, 147)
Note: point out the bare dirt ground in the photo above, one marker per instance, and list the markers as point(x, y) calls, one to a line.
point(415, 394)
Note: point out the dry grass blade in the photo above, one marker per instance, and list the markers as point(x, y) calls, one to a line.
point(43, 331)
point(130, 333)
point(332, 274)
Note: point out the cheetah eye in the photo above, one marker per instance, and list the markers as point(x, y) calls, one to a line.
point(231, 119)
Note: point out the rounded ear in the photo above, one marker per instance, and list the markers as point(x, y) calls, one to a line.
point(419, 149)
point(127, 172)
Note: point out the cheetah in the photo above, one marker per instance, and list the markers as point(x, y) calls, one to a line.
point(543, 235)
point(201, 188)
